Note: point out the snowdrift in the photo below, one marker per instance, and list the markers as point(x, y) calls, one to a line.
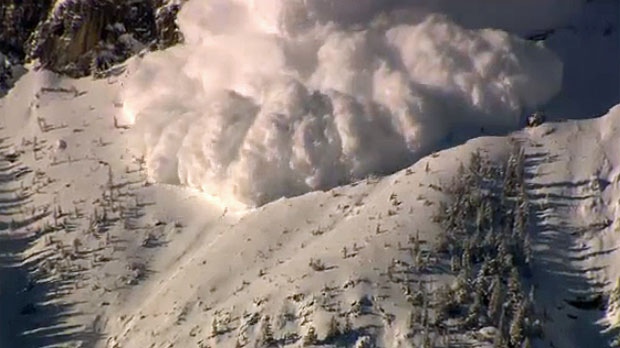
point(269, 98)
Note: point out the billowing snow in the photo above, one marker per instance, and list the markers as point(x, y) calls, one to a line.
point(206, 264)
point(270, 98)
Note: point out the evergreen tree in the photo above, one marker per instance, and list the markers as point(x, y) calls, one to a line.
point(333, 330)
point(516, 331)
point(455, 263)
point(466, 259)
point(266, 337)
point(475, 241)
point(310, 338)
point(613, 301)
point(499, 341)
point(460, 173)
point(514, 173)
point(214, 327)
point(413, 319)
point(531, 298)
point(462, 288)
point(489, 241)
point(521, 166)
point(241, 340)
point(363, 342)
point(476, 164)
point(348, 325)
point(424, 314)
point(527, 249)
point(426, 339)
point(488, 213)
point(480, 282)
point(503, 317)
point(417, 298)
point(514, 286)
point(496, 301)
point(503, 252)
point(474, 312)
point(479, 218)
point(518, 230)
point(444, 304)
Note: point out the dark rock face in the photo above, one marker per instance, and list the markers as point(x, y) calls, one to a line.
point(9, 72)
point(89, 36)
point(168, 34)
point(83, 37)
point(5, 73)
point(18, 19)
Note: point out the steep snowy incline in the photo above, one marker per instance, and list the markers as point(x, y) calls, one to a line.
point(574, 181)
point(95, 254)
point(113, 258)
point(116, 260)
point(78, 220)
point(570, 170)
point(12, 279)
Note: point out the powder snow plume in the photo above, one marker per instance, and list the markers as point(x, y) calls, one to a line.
point(270, 98)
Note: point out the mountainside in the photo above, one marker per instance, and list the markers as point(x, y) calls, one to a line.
point(232, 192)
point(83, 37)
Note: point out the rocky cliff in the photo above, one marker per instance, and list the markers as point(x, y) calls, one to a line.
point(83, 37)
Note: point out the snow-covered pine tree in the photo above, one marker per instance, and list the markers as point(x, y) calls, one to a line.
point(363, 342)
point(514, 287)
point(348, 325)
point(333, 330)
point(413, 319)
point(474, 312)
point(496, 301)
point(214, 327)
point(476, 164)
point(455, 263)
point(266, 338)
point(613, 305)
point(426, 339)
point(516, 331)
point(310, 338)
point(461, 287)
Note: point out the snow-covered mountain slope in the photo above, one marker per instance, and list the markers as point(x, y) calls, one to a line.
point(93, 253)
point(104, 258)
point(575, 182)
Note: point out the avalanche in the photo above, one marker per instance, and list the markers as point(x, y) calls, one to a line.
point(269, 99)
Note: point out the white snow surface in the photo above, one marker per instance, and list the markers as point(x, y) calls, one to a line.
point(207, 264)
point(270, 99)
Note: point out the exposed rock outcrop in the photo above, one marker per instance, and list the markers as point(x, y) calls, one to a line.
point(83, 37)
point(18, 19)
point(6, 73)
point(9, 72)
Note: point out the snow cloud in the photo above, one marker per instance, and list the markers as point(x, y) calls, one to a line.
point(272, 98)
